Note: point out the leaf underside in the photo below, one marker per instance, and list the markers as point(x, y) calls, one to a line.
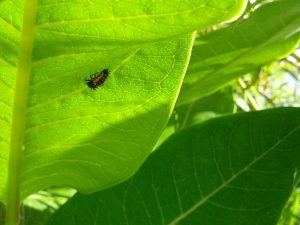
point(230, 170)
point(270, 33)
point(90, 139)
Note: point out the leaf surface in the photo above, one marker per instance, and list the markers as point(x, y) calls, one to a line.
point(237, 169)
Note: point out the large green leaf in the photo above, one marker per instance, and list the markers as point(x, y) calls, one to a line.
point(270, 33)
point(234, 170)
point(62, 131)
point(104, 135)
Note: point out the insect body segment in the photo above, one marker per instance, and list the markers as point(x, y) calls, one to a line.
point(97, 79)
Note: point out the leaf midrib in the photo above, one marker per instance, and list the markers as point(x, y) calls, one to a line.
point(19, 112)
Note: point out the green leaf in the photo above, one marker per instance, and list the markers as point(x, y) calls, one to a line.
point(211, 106)
point(108, 24)
point(270, 33)
point(230, 170)
point(39, 207)
point(102, 136)
point(216, 104)
point(54, 130)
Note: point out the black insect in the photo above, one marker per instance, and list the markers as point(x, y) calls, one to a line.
point(97, 79)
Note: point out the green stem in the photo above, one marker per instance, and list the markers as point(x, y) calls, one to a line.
point(19, 113)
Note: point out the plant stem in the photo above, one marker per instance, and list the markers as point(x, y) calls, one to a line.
point(19, 113)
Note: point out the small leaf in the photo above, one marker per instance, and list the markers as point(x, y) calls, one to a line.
point(198, 111)
point(237, 170)
point(216, 104)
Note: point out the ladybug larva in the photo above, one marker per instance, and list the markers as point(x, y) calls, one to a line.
point(97, 79)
